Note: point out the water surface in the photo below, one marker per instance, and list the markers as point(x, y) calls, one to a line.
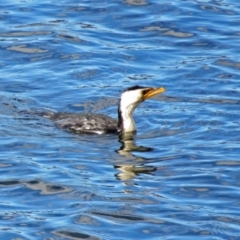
point(73, 56)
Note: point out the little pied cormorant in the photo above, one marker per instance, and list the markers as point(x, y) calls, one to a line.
point(99, 123)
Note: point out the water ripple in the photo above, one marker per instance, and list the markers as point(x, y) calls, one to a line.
point(182, 180)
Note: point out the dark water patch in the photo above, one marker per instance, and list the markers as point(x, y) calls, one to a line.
point(228, 163)
point(26, 49)
point(41, 24)
point(217, 10)
point(132, 200)
point(228, 63)
point(71, 56)
point(75, 9)
point(226, 76)
point(70, 38)
point(165, 31)
point(25, 34)
point(75, 235)
point(182, 180)
point(9, 183)
point(87, 25)
point(119, 217)
point(44, 188)
point(136, 2)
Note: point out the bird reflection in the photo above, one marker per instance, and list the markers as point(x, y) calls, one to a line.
point(130, 171)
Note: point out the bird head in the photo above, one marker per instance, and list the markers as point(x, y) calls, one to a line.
point(134, 95)
point(130, 99)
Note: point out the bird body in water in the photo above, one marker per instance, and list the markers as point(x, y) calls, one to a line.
point(86, 122)
point(99, 123)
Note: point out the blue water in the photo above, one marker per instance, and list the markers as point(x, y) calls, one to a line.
point(75, 56)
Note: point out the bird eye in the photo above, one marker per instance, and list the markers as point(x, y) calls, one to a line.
point(145, 91)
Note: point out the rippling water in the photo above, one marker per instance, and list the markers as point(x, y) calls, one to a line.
point(76, 56)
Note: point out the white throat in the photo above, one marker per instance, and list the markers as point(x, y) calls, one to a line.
point(127, 105)
point(128, 121)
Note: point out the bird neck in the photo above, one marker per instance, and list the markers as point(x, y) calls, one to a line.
point(125, 117)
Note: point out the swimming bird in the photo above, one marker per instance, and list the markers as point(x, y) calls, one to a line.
point(99, 123)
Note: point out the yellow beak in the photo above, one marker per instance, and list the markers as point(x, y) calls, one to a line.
point(152, 92)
